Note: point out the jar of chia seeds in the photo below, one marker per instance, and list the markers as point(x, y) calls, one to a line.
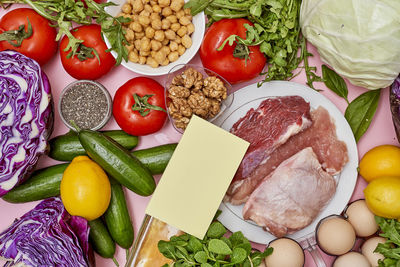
point(86, 104)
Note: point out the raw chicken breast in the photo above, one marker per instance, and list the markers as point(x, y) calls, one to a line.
point(292, 196)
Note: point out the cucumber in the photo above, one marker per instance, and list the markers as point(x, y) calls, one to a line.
point(42, 184)
point(118, 162)
point(45, 182)
point(100, 239)
point(117, 217)
point(66, 147)
point(155, 158)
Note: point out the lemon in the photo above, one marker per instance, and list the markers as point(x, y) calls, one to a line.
point(85, 189)
point(383, 196)
point(380, 161)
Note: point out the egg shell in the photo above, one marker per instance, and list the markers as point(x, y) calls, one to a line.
point(368, 247)
point(287, 253)
point(351, 259)
point(362, 219)
point(335, 235)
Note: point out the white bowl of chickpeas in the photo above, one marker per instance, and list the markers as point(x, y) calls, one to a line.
point(161, 34)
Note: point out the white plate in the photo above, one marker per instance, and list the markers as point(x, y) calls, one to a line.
point(250, 97)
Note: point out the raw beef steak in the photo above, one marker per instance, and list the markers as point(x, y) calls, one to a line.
point(292, 196)
point(266, 128)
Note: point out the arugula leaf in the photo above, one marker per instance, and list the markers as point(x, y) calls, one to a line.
point(360, 111)
point(334, 82)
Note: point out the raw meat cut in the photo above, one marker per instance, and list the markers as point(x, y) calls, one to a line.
point(292, 196)
point(321, 136)
point(266, 128)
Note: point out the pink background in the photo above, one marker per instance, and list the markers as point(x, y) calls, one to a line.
point(381, 131)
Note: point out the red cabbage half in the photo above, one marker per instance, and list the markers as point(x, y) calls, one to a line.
point(395, 105)
point(47, 236)
point(26, 117)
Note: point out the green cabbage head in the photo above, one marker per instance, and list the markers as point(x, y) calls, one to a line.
point(359, 39)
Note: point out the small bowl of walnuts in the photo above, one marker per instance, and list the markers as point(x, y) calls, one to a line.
point(161, 34)
point(195, 90)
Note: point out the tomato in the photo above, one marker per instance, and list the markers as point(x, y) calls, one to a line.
point(41, 45)
point(85, 65)
point(233, 69)
point(150, 113)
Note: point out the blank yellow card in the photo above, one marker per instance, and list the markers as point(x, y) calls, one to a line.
point(197, 177)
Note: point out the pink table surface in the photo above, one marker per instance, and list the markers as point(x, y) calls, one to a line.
point(381, 131)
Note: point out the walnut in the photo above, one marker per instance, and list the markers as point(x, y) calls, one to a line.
point(182, 122)
point(177, 80)
point(176, 91)
point(214, 88)
point(215, 107)
point(199, 104)
point(179, 107)
point(192, 78)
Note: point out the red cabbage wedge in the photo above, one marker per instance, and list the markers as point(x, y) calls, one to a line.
point(26, 117)
point(395, 105)
point(47, 236)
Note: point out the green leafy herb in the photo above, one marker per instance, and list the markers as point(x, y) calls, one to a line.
point(334, 82)
point(62, 13)
point(360, 111)
point(391, 248)
point(214, 250)
point(276, 29)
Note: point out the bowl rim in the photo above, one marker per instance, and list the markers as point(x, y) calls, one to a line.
point(98, 85)
point(200, 27)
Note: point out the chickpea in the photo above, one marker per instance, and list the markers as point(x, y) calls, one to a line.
point(160, 56)
point(137, 6)
point(144, 21)
point(146, 1)
point(182, 31)
point(126, 8)
point(155, 16)
point(173, 46)
point(135, 26)
point(142, 60)
point(185, 20)
point(149, 31)
point(155, 45)
point(172, 18)
point(190, 28)
point(130, 47)
point(166, 11)
point(135, 17)
point(173, 56)
point(139, 35)
point(181, 50)
point(148, 8)
point(133, 56)
point(180, 14)
point(178, 40)
point(166, 50)
point(165, 62)
point(186, 41)
point(164, 3)
point(159, 35)
point(165, 42)
point(152, 62)
point(153, 54)
point(145, 13)
point(165, 24)
point(175, 26)
point(187, 11)
point(137, 44)
point(170, 34)
point(176, 5)
point(156, 24)
point(156, 8)
point(130, 35)
point(153, 2)
point(145, 44)
point(144, 53)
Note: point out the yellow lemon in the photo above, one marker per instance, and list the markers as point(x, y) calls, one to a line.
point(85, 189)
point(383, 196)
point(380, 161)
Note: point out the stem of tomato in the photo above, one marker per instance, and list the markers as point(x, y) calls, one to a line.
point(143, 106)
point(15, 37)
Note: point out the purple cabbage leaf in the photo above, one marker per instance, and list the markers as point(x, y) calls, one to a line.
point(47, 236)
point(26, 117)
point(395, 105)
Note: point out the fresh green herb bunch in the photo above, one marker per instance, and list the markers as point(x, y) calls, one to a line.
point(214, 250)
point(276, 29)
point(64, 12)
point(391, 248)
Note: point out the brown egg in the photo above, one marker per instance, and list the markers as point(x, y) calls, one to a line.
point(287, 253)
point(335, 235)
point(362, 219)
point(351, 259)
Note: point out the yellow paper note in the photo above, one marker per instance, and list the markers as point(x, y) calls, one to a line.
point(197, 177)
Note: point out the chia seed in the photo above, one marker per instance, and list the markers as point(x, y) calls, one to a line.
point(85, 104)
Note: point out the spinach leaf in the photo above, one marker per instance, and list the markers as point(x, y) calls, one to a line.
point(360, 111)
point(216, 230)
point(334, 82)
point(219, 247)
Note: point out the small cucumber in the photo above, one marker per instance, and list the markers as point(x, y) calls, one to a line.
point(118, 162)
point(100, 239)
point(42, 184)
point(117, 217)
point(66, 147)
point(155, 158)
